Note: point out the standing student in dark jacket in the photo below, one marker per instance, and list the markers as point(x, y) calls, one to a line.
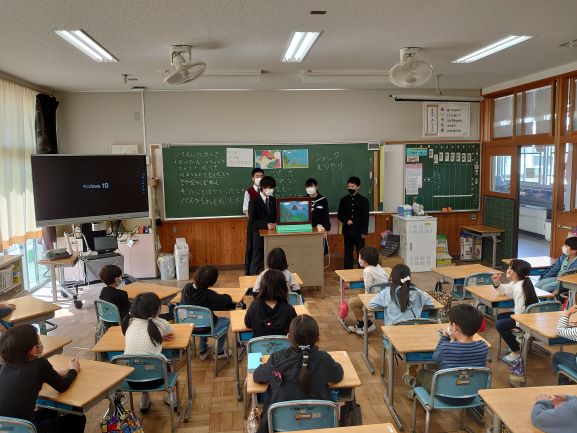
point(111, 275)
point(251, 192)
point(22, 376)
point(354, 215)
point(300, 372)
point(261, 215)
point(320, 209)
point(270, 313)
point(199, 293)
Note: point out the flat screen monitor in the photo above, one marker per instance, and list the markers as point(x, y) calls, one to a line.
point(88, 188)
point(105, 244)
point(293, 211)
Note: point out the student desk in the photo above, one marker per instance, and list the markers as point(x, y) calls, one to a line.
point(112, 342)
point(379, 315)
point(513, 406)
point(53, 345)
point(351, 276)
point(247, 281)
point(31, 310)
point(539, 264)
point(542, 327)
point(236, 293)
point(165, 293)
point(242, 333)
point(570, 282)
point(95, 381)
point(304, 252)
point(416, 343)
point(350, 378)
point(457, 274)
point(489, 296)
point(66, 262)
point(482, 231)
point(370, 428)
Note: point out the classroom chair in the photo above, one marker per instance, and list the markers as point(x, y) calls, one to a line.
point(15, 425)
point(302, 415)
point(150, 369)
point(567, 373)
point(478, 279)
point(107, 314)
point(201, 317)
point(377, 288)
point(294, 298)
point(452, 389)
point(266, 345)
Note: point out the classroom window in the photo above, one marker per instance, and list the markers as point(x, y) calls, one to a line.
point(503, 116)
point(574, 114)
point(568, 176)
point(537, 175)
point(501, 174)
point(534, 111)
point(35, 275)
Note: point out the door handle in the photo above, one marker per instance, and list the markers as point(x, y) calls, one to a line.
point(564, 227)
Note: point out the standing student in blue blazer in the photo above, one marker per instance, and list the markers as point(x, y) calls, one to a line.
point(565, 263)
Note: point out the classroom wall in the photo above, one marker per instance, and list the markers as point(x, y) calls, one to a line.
point(89, 123)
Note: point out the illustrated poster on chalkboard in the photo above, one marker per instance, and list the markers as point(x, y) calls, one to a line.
point(267, 159)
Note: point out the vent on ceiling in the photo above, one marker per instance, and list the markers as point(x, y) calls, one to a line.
point(318, 12)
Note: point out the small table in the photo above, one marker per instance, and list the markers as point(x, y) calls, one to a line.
point(416, 343)
point(247, 281)
point(95, 381)
point(165, 293)
point(542, 327)
point(457, 274)
point(236, 293)
point(30, 310)
point(113, 342)
point(539, 264)
point(53, 345)
point(489, 296)
point(379, 315)
point(570, 281)
point(350, 276)
point(242, 333)
point(482, 231)
point(513, 406)
point(66, 262)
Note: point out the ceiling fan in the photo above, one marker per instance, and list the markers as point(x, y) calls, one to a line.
point(410, 71)
point(182, 68)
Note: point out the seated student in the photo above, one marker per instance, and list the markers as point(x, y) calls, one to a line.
point(565, 263)
point(111, 275)
point(277, 260)
point(270, 313)
point(199, 293)
point(402, 301)
point(300, 372)
point(555, 414)
point(456, 347)
point(373, 274)
point(22, 376)
point(523, 293)
point(261, 215)
point(144, 333)
point(567, 330)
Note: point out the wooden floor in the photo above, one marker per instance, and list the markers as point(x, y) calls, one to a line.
point(215, 407)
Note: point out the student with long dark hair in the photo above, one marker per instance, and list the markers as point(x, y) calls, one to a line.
point(276, 259)
point(402, 300)
point(300, 372)
point(522, 291)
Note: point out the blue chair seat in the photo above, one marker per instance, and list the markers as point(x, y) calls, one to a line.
point(172, 379)
point(446, 404)
point(568, 372)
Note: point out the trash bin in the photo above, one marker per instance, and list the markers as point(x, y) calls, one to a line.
point(165, 263)
point(181, 259)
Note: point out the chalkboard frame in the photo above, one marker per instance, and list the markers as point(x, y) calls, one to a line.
point(375, 181)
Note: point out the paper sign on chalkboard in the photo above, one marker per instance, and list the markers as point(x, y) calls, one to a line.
point(239, 157)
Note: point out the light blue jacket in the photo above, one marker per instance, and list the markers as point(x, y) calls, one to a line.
point(561, 419)
point(417, 300)
point(554, 270)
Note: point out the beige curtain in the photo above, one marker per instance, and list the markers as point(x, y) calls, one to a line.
point(17, 143)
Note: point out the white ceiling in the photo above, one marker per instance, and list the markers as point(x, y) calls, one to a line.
point(252, 34)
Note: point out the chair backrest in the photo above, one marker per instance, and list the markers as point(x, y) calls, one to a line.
point(460, 384)
point(146, 367)
point(479, 279)
point(302, 415)
point(15, 425)
point(416, 321)
point(201, 317)
point(377, 288)
point(294, 298)
point(106, 312)
point(543, 307)
point(268, 344)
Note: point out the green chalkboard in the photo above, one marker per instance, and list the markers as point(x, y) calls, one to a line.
point(450, 175)
point(198, 183)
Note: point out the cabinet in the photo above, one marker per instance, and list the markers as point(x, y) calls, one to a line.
point(11, 275)
point(139, 255)
point(418, 246)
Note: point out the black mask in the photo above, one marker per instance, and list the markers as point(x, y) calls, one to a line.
point(352, 191)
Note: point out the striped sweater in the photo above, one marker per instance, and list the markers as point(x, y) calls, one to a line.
point(565, 330)
point(451, 354)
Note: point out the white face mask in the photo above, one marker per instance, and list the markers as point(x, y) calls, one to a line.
point(362, 263)
point(120, 283)
point(311, 189)
point(257, 181)
point(565, 250)
point(268, 191)
point(449, 330)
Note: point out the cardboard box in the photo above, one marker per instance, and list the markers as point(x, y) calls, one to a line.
point(471, 248)
point(404, 210)
point(390, 261)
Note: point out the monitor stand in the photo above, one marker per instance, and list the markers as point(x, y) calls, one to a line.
point(294, 228)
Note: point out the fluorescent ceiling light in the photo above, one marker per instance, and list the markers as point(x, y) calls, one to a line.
point(299, 46)
point(436, 98)
point(505, 43)
point(81, 40)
